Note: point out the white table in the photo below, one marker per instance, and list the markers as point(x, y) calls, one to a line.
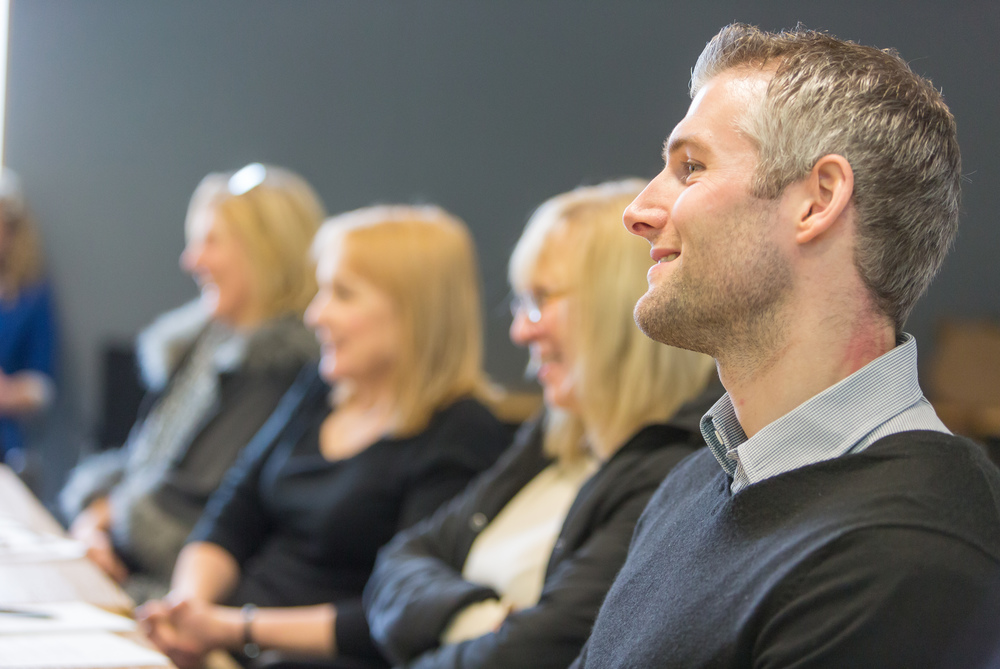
point(45, 581)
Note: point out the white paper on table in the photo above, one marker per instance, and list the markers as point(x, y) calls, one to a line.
point(20, 543)
point(75, 651)
point(65, 617)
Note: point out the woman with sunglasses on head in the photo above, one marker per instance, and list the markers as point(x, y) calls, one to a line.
point(512, 572)
point(215, 369)
point(387, 429)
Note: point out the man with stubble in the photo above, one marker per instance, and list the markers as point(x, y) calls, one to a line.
point(808, 197)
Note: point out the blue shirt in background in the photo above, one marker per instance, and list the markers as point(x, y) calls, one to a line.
point(27, 342)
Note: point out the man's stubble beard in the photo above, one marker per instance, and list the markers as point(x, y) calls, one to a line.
point(730, 306)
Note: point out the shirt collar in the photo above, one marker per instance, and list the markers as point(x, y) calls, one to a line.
point(824, 426)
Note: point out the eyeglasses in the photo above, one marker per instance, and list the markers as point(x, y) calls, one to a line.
point(247, 178)
point(531, 303)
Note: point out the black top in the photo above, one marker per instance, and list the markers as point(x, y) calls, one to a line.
point(305, 530)
point(885, 558)
point(417, 586)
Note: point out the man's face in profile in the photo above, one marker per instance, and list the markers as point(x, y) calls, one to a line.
point(720, 266)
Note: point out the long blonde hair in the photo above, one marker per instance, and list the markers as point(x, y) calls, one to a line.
point(21, 258)
point(276, 217)
point(21, 264)
point(624, 379)
point(425, 260)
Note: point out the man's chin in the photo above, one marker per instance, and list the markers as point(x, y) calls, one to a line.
point(664, 321)
point(649, 315)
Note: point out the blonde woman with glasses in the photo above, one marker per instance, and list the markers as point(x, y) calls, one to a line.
point(215, 370)
point(512, 572)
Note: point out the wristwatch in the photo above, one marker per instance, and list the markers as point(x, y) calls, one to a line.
point(250, 648)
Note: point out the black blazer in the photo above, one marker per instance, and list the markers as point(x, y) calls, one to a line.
point(417, 585)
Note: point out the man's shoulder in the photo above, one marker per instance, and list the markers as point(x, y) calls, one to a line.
point(928, 439)
point(912, 461)
point(951, 468)
point(926, 481)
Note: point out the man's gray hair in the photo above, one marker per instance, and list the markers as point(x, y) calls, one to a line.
point(830, 96)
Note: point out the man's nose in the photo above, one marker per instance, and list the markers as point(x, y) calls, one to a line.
point(648, 211)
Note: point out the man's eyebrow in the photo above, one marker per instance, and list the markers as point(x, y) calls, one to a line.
point(675, 144)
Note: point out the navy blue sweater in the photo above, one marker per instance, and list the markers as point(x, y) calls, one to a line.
point(885, 558)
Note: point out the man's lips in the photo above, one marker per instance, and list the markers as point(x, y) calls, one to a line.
point(664, 254)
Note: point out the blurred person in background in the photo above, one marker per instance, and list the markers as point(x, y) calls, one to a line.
point(389, 427)
point(215, 369)
point(27, 323)
point(512, 572)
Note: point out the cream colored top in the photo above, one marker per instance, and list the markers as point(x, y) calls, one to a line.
point(511, 553)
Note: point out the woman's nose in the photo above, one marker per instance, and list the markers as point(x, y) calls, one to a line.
point(522, 329)
point(191, 257)
point(313, 311)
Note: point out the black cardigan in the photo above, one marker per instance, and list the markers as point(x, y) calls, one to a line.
point(417, 585)
point(885, 558)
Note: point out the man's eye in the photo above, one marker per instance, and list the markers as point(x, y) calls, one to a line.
point(689, 168)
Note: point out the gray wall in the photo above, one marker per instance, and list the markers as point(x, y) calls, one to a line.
point(116, 108)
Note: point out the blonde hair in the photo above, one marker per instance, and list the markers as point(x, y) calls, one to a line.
point(624, 379)
point(21, 258)
point(276, 219)
point(425, 260)
point(21, 262)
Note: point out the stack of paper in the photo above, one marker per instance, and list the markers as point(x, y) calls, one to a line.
point(73, 635)
point(20, 543)
point(75, 651)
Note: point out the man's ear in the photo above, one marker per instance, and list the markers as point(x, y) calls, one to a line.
point(827, 192)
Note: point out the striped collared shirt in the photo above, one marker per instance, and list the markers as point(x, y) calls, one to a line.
point(880, 399)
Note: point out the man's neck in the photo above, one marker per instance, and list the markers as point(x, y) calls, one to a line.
point(810, 357)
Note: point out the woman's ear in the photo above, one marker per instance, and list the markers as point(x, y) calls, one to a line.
point(826, 192)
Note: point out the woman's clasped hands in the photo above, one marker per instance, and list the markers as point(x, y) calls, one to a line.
point(186, 630)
